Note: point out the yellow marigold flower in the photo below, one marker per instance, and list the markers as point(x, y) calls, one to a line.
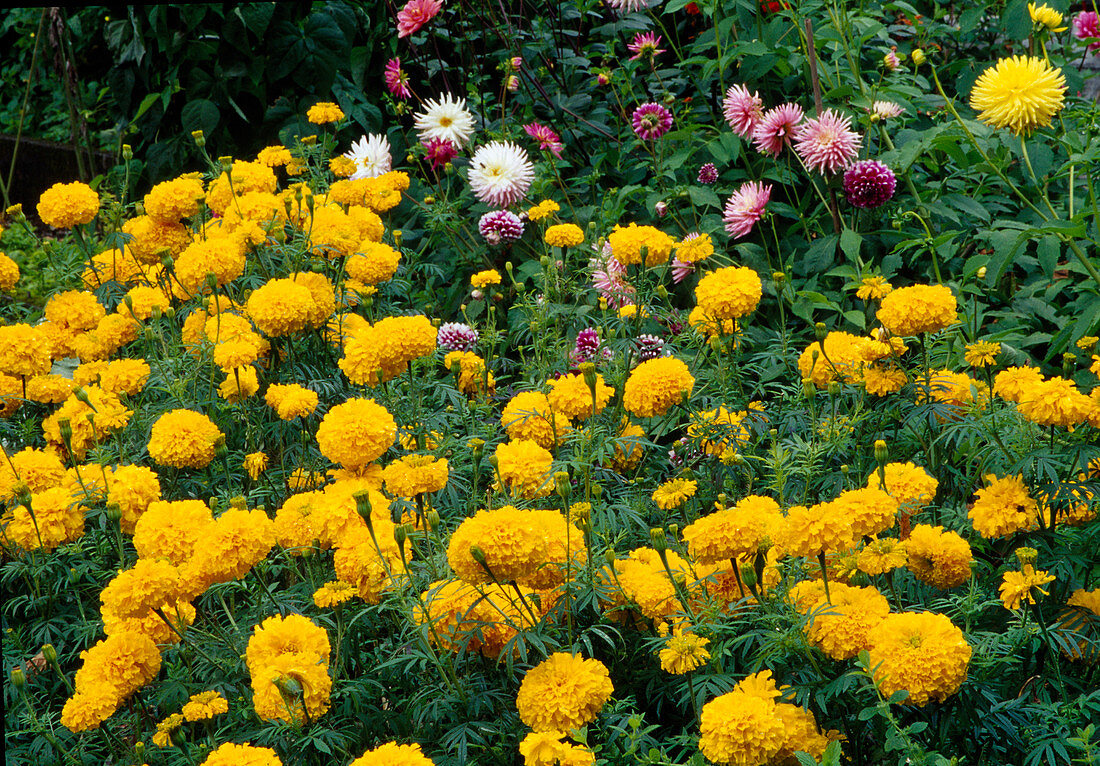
point(729, 293)
point(525, 468)
point(1011, 383)
point(223, 257)
point(162, 738)
point(683, 652)
point(530, 415)
point(694, 248)
point(880, 381)
point(393, 754)
point(113, 670)
point(873, 288)
point(184, 439)
point(38, 469)
point(172, 201)
point(542, 210)
point(1020, 93)
point(882, 555)
point(732, 532)
point(1016, 587)
point(172, 529)
point(231, 546)
point(982, 353)
point(909, 484)
point(629, 447)
point(814, 530)
point(74, 311)
point(563, 693)
point(147, 585)
point(570, 395)
point(255, 463)
point(280, 307)
point(674, 493)
point(291, 400)
point(938, 557)
point(324, 112)
point(1087, 342)
point(334, 593)
point(50, 389)
point(922, 653)
point(415, 475)
point(24, 351)
point(9, 273)
point(341, 166)
point(1045, 16)
point(232, 754)
point(204, 705)
point(1054, 402)
point(291, 687)
point(655, 385)
point(389, 345)
point(91, 422)
point(841, 357)
point(240, 383)
point(546, 748)
point(563, 235)
point(357, 432)
point(1003, 508)
point(918, 308)
point(57, 520)
point(373, 263)
point(627, 243)
point(844, 625)
point(483, 279)
point(479, 619)
point(64, 206)
point(274, 156)
point(511, 542)
point(246, 177)
point(741, 729)
point(292, 634)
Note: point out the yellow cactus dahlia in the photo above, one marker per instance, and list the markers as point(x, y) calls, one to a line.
point(1020, 93)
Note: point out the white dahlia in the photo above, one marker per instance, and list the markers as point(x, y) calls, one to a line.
point(445, 120)
point(500, 173)
point(371, 155)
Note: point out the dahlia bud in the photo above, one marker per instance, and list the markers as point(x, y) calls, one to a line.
point(708, 173)
point(918, 57)
point(603, 78)
point(891, 60)
point(661, 208)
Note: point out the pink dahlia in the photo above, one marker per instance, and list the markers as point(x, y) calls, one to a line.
point(500, 173)
point(869, 184)
point(681, 270)
point(742, 110)
point(776, 128)
point(439, 151)
point(397, 80)
point(626, 6)
point(827, 143)
point(500, 226)
point(609, 279)
point(416, 14)
point(708, 174)
point(745, 207)
point(885, 110)
point(645, 46)
point(1086, 25)
point(456, 336)
point(891, 60)
point(547, 138)
point(651, 121)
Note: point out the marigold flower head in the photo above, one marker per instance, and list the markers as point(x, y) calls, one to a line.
point(183, 439)
point(334, 593)
point(1020, 93)
point(172, 201)
point(232, 754)
point(563, 235)
point(393, 754)
point(57, 520)
point(64, 206)
point(1003, 508)
point(922, 653)
point(656, 385)
point(9, 273)
point(356, 432)
point(729, 293)
point(674, 493)
point(204, 705)
point(525, 468)
point(1016, 587)
point(917, 309)
point(683, 652)
point(415, 475)
point(1054, 402)
point(741, 729)
point(627, 243)
point(324, 112)
point(483, 279)
point(909, 484)
point(938, 557)
point(563, 693)
point(172, 529)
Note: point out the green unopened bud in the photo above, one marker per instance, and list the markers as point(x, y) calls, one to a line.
point(748, 575)
point(139, 752)
point(66, 429)
point(477, 447)
point(820, 331)
point(199, 137)
point(166, 260)
point(493, 460)
point(643, 252)
point(715, 344)
point(226, 162)
point(170, 312)
point(478, 555)
point(23, 494)
point(662, 291)
point(1068, 364)
point(882, 451)
point(609, 557)
point(834, 388)
point(220, 450)
point(432, 517)
point(397, 239)
point(289, 688)
point(588, 371)
point(156, 313)
point(238, 502)
point(18, 678)
point(114, 512)
point(673, 529)
point(211, 280)
point(127, 152)
point(845, 469)
point(657, 535)
point(400, 534)
point(362, 504)
point(212, 503)
point(808, 388)
point(82, 395)
point(50, 653)
point(508, 266)
point(778, 277)
point(561, 483)
point(1026, 556)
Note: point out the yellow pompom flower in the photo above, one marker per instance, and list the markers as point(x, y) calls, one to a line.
point(324, 112)
point(627, 244)
point(1020, 93)
point(694, 247)
point(939, 557)
point(356, 432)
point(524, 468)
point(563, 235)
point(232, 754)
point(334, 593)
point(9, 273)
point(184, 439)
point(1003, 508)
point(255, 463)
point(729, 293)
point(483, 279)
point(511, 542)
point(542, 210)
point(393, 754)
point(922, 653)
point(918, 308)
point(64, 206)
point(291, 400)
point(171, 201)
point(204, 705)
point(563, 693)
point(982, 353)
point(683, 652)
point(280, 307)
point(741, 729)
point(656, 385)
point(415, 475)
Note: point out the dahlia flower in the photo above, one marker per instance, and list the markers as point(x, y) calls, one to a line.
point(745, 207)
point(371, 155)
point(500, 226)
point(644, 45)
point(742, 110)
point(416, 14)
point(397, 79)
point(500, 173)
point(776, 128)
point(548, 140)
point(1086, 26)
point(869, 184)
point(444, 120)
point(1020, 93)
point(651, 121)
point(827, 143)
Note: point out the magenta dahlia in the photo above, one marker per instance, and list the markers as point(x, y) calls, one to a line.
point(869, 184)
point(708, 174)
point(500, 226)
point(1086, 25)
point(742, 110)
point(651, 121)
point(776, 128)
point(456, 336)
